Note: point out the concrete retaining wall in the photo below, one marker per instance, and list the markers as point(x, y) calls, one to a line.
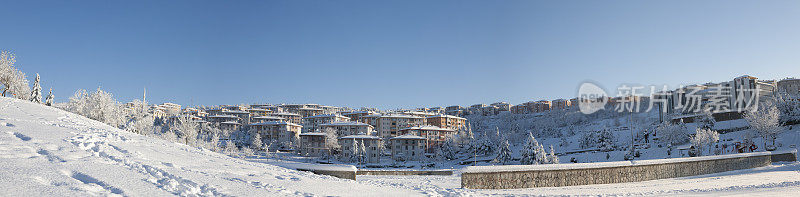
point(405, 172)
point(557, 175)
point(338, 174)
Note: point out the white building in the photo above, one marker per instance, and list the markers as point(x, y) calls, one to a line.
point(312, 123)
point(277, 132)
point(408, 148)
point(372, 144)
point(348, 128)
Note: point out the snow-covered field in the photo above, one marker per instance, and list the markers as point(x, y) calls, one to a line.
point(48, 152)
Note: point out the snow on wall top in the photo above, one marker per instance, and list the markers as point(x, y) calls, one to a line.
point(544, 167)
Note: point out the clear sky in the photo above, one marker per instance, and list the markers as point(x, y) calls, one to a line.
point(392, 54)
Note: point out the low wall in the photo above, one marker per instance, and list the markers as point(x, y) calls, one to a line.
point(405, 172)
point(336, 170)
point(557, 175)
point(338, 174)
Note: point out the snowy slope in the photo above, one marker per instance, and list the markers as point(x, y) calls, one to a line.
point(49, 152)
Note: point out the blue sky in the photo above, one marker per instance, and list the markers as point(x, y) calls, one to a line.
point(392, 54)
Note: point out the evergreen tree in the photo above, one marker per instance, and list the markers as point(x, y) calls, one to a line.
point(552, 156)
point(49, 99)
point(255, 141)
point(36, 93)
point(504, 153)
point(362, 152)
point(529, 150)
point(354, 151)
point(541, 155)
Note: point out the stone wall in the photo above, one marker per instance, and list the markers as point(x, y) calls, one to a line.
point(557, 175)
point(405, 172)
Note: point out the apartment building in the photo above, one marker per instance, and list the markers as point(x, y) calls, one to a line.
point(408, 148)
point(561, 104)
point(434, 136)
point(348, 128)
point(372, 146)
point(277, 131)
point(447, 121)
point(311, 123)
point(388, 125)
point(290, 117)
point(313, 144)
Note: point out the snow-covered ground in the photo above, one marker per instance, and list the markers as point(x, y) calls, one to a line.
point(48, 152)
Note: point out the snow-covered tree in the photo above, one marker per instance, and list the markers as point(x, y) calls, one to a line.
point(765, 121)
point(606, 140)
point(672, 134)
point(702, 138)
point(139, 120)
point(552, 157)
point(331, 143)
point(255, 141)
point(541, 155)
point(503, 153)
point(49, 100)
point(448, 149)
point(362, 152)
point(187, 128)
point(230, 147)
point(36, 93)
point(706, 120)
point(12, 80)
point(528, 151)
point(100, 106)
point(789, 108)
point(354, 151)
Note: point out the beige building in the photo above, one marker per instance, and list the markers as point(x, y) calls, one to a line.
point(561, 104)
point(313, 144)
point(171, 108)
point(312, 123)
point(277, 132)
point(348, 128)
point(433, 135)
point(388, 125)
point(408, 148)
point(290, 117)
point(447, 121)
point(259, 119)
point(356, 115)
point(541, 106)
point(372, 144)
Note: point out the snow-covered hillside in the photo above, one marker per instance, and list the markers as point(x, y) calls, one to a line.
point(45, 151)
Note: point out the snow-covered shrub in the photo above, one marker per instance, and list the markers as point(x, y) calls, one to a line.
point(12, 80)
